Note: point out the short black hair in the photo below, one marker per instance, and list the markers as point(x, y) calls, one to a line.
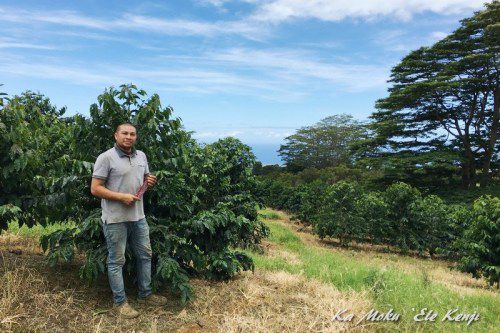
point(122, 124)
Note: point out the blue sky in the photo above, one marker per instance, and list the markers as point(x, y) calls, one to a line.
point(253, 69)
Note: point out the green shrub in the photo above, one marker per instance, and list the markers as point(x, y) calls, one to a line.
point(373, 210)
point(480, 245)
point(431, 225)
point(312, 198)
point(338, 216)
point(8, 213)
point(404, 230)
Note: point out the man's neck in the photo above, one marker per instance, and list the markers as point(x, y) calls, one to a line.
point(125, 150)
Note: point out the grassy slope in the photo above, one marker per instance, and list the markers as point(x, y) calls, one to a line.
point(397, 282)
point(298, 286)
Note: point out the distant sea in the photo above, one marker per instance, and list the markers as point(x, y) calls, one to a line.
point(266, 152)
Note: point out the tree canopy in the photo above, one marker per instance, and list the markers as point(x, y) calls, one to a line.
point(324, 144)
point(443, 105)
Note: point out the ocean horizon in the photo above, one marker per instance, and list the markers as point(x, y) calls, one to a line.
point(267, 153)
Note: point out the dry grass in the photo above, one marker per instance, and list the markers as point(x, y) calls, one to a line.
point(15, 243)
point(275, 251)
point(283, 302)
point(36, 298)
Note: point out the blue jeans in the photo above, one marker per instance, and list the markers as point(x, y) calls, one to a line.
point(116, 240)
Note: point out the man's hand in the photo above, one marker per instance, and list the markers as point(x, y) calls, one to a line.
point(128, 199)
point(98, 189)
point(151, 180)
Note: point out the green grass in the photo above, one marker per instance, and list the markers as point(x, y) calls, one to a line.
point(268, 214)
point(388, 287)
point(37, 230)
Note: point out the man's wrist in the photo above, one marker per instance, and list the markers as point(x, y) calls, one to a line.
point(120, 196)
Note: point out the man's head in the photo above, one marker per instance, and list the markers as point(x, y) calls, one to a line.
point(125, 136)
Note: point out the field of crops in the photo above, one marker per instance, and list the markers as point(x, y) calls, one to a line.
point(298, 285)
point(399, 217)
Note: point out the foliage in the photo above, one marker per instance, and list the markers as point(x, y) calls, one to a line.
point(2, 94)
point(373, 210)
point(37, 174)
point(400, 199)
point(323, 144)
point(400, 215)
point(7, 213)
point(202, 208)
point(480, 245)
point(442, 109)
point(434, 228)
point(311, 197)
point(338, 214)
point(37, 230)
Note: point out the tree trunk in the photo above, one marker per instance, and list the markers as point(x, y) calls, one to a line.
point(485, 178)
point(468, 168)
point(466, 179)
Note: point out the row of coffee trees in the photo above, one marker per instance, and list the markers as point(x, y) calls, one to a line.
point(202, 209)
point(399, 217)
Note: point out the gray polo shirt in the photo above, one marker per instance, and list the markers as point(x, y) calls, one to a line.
point(125, 174)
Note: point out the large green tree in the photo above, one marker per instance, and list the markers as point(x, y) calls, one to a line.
point(443, 106)
point(324, 144)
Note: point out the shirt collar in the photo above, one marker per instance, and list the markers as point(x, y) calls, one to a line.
point(123, 153)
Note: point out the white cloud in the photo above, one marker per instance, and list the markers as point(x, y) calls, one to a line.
point(216, 134)
point(90, 35)
point(132, 22)
point(198, 80)
point(216, 3)
point(221, 3)
point(401, 41)
point(336, 10)
point(437, 35)
point(299, 66)
point(277, 75)
point(256, 134)
point(16, 45)
point(77, 75)
point(61, 17)
point(252, 26)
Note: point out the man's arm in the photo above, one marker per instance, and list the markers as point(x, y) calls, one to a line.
point(98, 189)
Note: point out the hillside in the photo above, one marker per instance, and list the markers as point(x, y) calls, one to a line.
point(299, 284)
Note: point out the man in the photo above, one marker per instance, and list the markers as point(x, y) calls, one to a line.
point(118, 175)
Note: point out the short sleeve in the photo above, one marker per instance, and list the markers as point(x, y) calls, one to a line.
point(101, 167)
point(146, 170)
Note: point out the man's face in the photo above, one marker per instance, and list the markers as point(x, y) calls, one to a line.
point(126, 136)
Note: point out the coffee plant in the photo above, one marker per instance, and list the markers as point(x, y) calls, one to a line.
point(201, 210)
point(480, 244)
